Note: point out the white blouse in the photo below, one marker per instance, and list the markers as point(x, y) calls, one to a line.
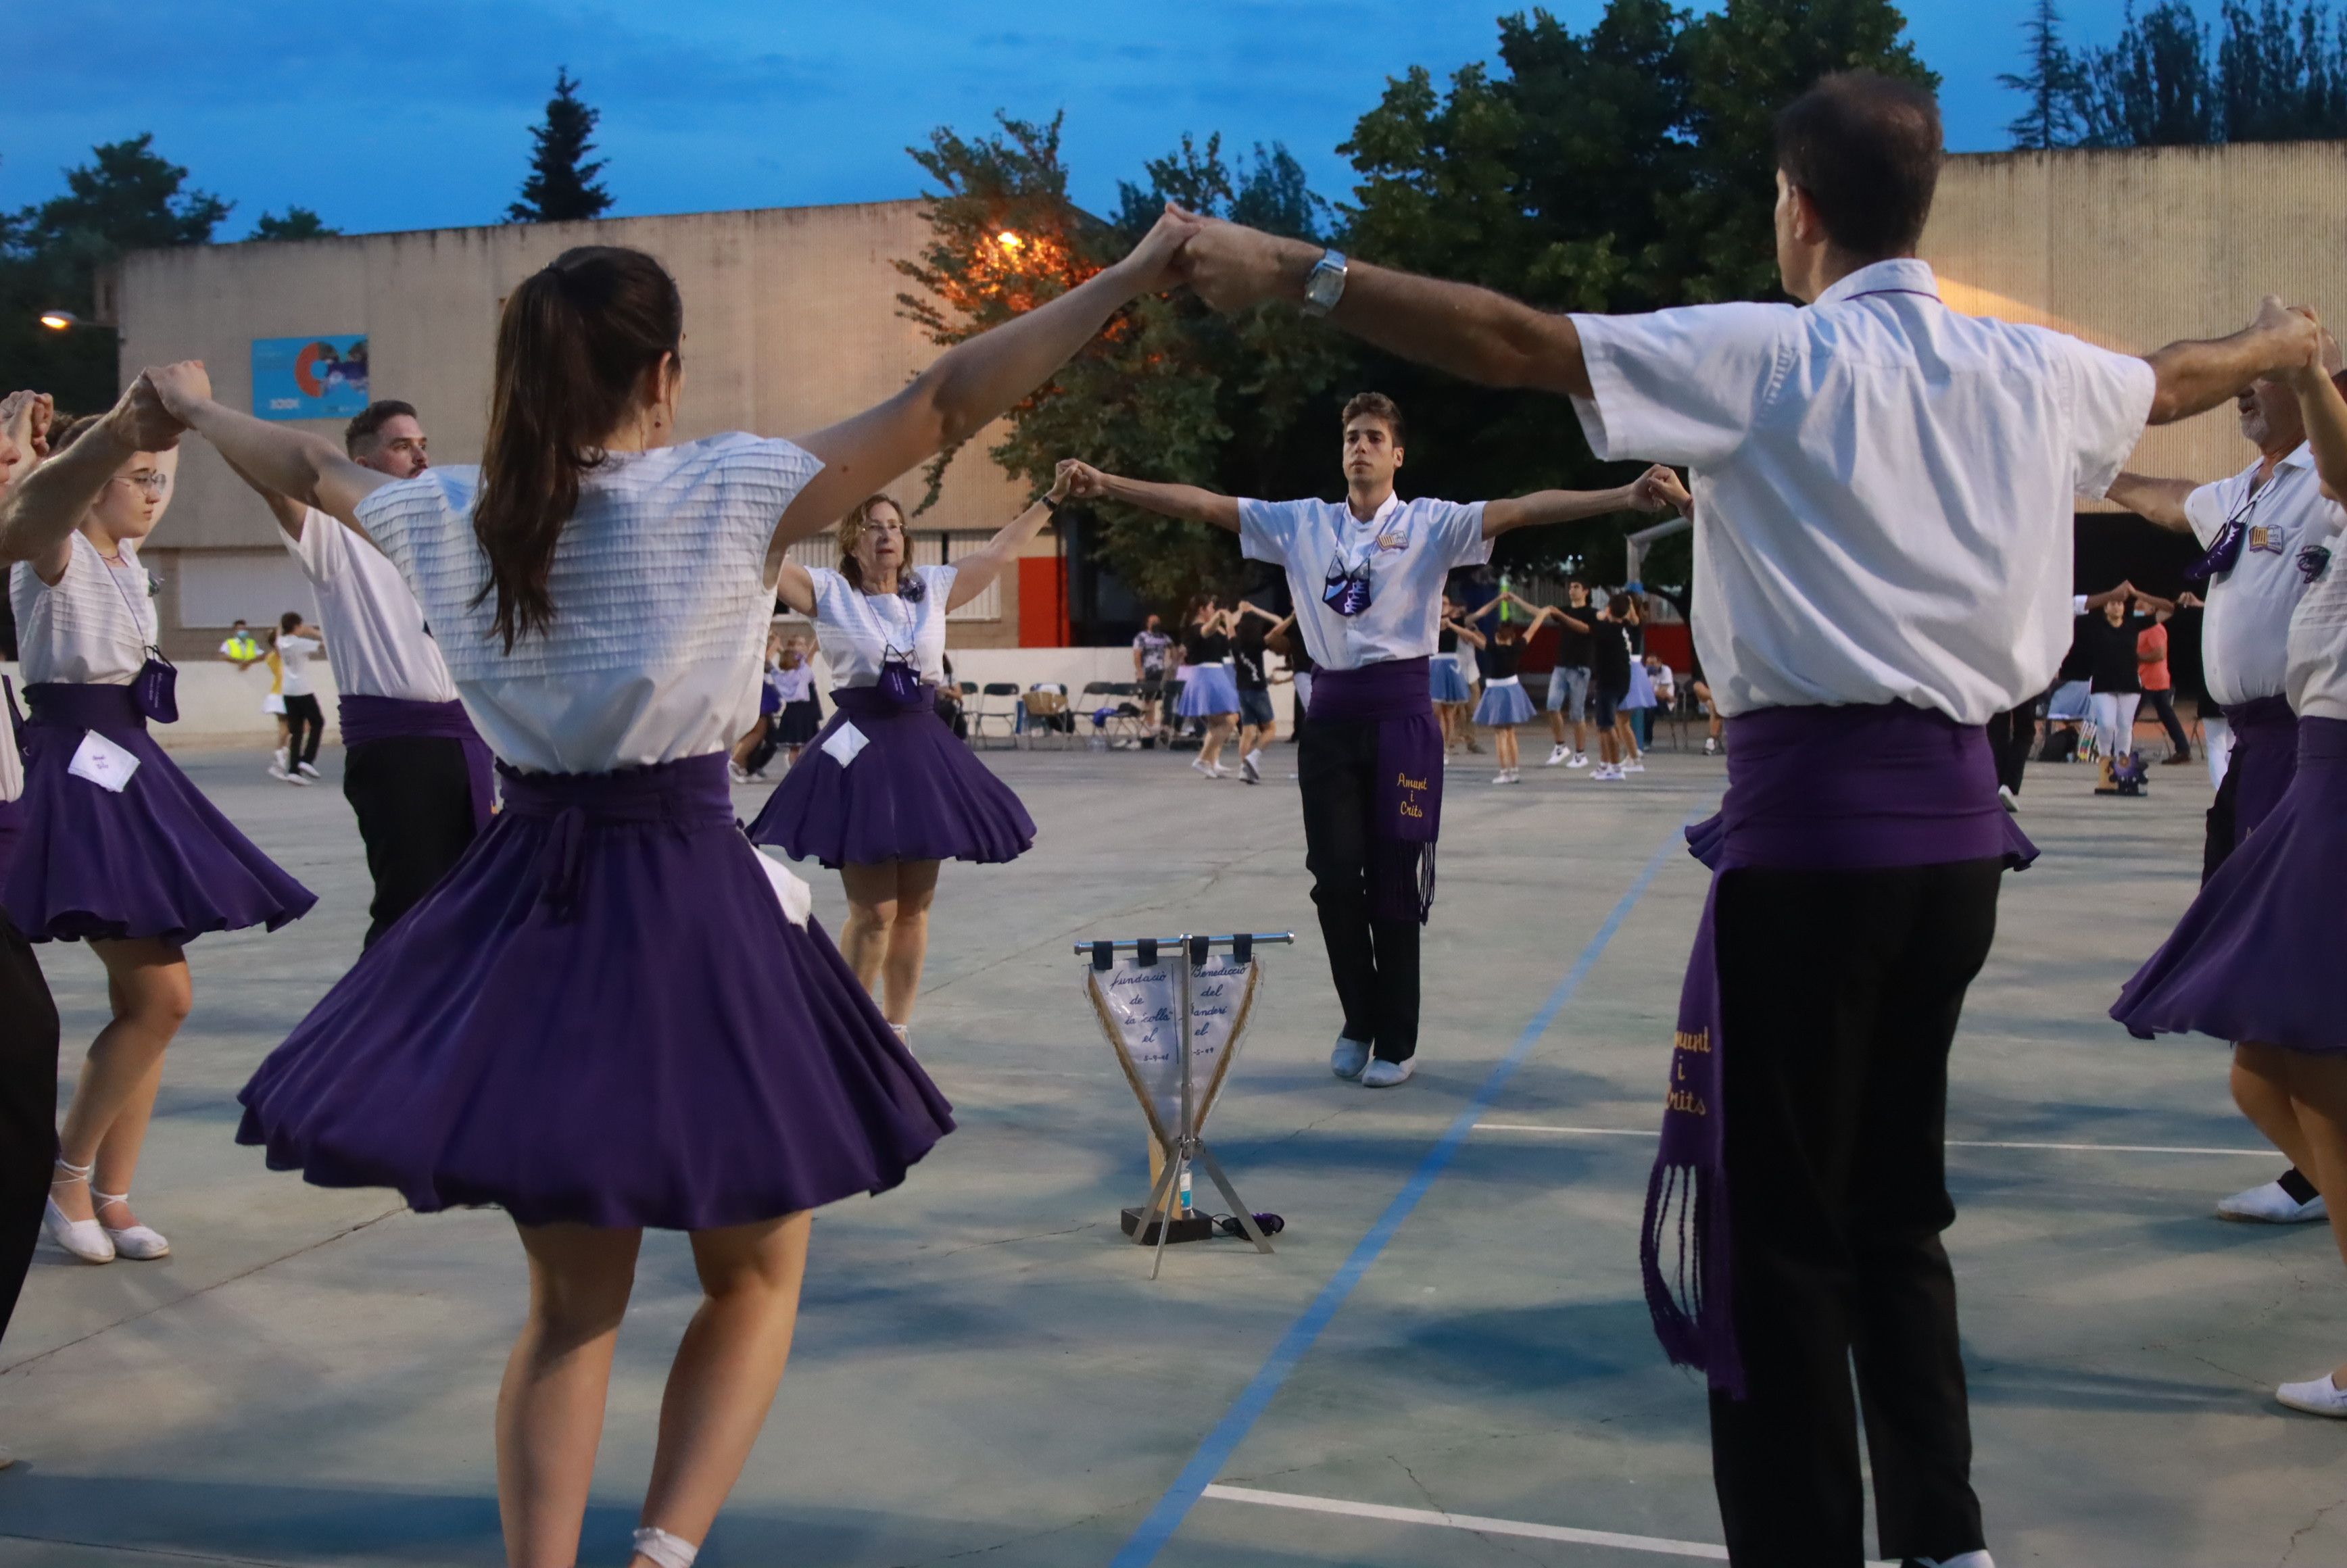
point(661, 603)
point(2318, 640)
point(92, 626)
point(860, 630)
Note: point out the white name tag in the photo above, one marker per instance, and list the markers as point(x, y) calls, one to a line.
point(846, 742)
point(794, 895)
point(102, 762)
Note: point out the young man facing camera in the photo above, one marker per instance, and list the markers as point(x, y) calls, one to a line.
point(1365, 575)
point(1884, 497)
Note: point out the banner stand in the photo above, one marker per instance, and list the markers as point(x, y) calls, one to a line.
point(1174, 1012)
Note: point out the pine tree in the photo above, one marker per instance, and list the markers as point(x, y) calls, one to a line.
point(562, 186)
point(2051, 84)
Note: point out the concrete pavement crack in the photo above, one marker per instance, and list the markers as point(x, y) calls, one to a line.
point(16, 1366)
point(1007, 1240)
point(161, 1553)
point(2290, 1549)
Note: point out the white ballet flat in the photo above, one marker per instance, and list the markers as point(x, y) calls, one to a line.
point(2316, 1396)
point(140, 1243)
point(668, 1550)
point(85, 1239)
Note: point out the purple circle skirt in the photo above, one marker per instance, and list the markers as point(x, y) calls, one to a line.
point(156, 860)
point(601, 1016)
point(913, 793)
point(2256, 958)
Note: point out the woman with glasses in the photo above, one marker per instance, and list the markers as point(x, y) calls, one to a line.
point(120, 850)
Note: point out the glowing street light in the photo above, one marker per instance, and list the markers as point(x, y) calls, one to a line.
point(59, 321)
point(1009, 241)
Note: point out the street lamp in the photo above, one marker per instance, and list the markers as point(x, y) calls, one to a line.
point(60, 320)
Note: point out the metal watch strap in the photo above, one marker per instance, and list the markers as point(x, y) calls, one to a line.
point(1324, 284)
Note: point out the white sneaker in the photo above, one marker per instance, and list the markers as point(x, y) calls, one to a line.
point(1350, 1058)
point(1557, 755)
point(1580, 760)
point(1634, 766)
point(140, 1243)
point(1384, 1075)
point(1606, 773)
point(1711, 745)
point(307, 771)
point(2011, 801)
point(284, 761)
point(280, 774)
point(2271, 1204)
point(2316, 1396)
point(1198, 765)
point(1249, 770)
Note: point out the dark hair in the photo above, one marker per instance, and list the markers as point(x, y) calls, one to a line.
point(1618, 605)
point(851, 534)
point(574, 344)
point(1866, 148)
point(1198, 601)
point(1375, 406)
point(369, 422)
point(290, 621)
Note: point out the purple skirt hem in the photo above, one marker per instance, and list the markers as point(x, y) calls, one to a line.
point(913, 793)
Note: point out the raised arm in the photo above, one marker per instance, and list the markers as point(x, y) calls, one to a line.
point(290, 514)
point(1089, 484)
point(2160, 501)
point(2197, 375)
point(2095, 602)
point(972, 382)
point(974, 573)
point(1469, 332)
point(2326, 424)
point(40, 511)
point(295, 463)
point(795, 588)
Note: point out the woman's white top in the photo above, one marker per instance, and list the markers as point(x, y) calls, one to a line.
point(375, 634)
point(294, 653)
point(860, 631)
point(92, 626)
point(792, 685)
point(2317, 641)
point(661, 603)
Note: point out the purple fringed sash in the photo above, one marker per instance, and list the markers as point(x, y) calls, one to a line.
point(365, 719)
point(1396, 695)
point(1812, 788)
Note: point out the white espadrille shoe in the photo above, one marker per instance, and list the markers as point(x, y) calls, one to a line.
point(141, 1243)
point(86, 1239)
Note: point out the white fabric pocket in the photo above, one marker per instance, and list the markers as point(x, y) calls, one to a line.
point(845, 743)
point(794, 895)
point(102, 762)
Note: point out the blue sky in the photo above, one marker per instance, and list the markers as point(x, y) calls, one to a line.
point(416, 116)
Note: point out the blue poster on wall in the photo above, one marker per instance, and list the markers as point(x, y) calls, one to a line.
point(309, 377)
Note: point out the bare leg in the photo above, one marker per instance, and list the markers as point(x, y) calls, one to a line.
point(2262, 1077)
point(1218, 730)
point(146, 982)
point(1503, 744)
point(2319, 1084)
point(550, 1405)
point(908, 938)
point(724, 1379)
point(871, 911)
point(1555, 725)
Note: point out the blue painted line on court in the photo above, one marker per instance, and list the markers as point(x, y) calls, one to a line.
point(1146, 1542)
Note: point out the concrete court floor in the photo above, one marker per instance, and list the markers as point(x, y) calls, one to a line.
point(984, 1372)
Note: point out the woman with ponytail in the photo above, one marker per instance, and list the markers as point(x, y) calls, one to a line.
point(614, 1013)
point(886, 792)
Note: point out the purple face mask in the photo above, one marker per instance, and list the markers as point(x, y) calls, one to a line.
point(1347, 591)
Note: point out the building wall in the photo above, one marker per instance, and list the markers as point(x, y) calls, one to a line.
point(791, 322)
point(2134, 247)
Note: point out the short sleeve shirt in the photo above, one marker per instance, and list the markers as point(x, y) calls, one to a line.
point(862, 631)
point(1405, 551)
point(2318, 642)
point(2245, 635)
point(296, 651)
point(375, 633)
point(1153, 647)
point(1883, 488)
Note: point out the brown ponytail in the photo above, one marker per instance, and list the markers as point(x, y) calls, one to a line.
point(574, 345)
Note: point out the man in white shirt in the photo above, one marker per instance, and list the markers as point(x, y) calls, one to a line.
point(1884, 495)
point(414, 770)
point(41, 500)
point(1366, 575)
point(2253, 526)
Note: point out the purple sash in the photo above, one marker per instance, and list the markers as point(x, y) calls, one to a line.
point(1396, 695)
point(365, 719)
point(878, 704)
point(1813, 788)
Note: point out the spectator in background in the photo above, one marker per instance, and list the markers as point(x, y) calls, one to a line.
point(2151, 670)
point(2107, 630)
point(242, 648)
point(1149, 654)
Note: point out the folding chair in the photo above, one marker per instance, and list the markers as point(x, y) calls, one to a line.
point(1046, 712)
point(998, 700)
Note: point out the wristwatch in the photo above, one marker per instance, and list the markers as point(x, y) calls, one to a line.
point(1325, 283)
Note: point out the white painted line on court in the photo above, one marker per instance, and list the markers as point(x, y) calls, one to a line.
point(1655, 1544)
point(1952, 1143)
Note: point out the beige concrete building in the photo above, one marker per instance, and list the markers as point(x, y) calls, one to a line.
point(791, 320)
point(2137, 246)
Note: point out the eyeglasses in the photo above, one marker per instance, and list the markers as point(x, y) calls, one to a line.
point(153, 483)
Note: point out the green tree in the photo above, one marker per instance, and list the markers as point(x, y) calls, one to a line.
point(562, 186)
point(127, 198)
point(299, 223)
point(2155, 86)
point(2050, 85)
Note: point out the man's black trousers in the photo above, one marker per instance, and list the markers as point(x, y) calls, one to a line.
point(29, 1108)
point(1840, 993)
point(415, 803)
point(1374, 961)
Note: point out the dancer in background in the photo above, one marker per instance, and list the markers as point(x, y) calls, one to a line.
point(118, 849)
point(801, 719)
point(888, 792)
point(297, 642)
point(2158, 684)
point(1568, 683)
point(1446, 673)
point(1365, 575)
point(2255, 961)
point(1504, 705)
point(756, 746)
point(1864, 605)
point(1609, 684)
point(1209, 691)
point(1252, 629)
point(414, 771)
point(2109, 632)
point(609, 1015)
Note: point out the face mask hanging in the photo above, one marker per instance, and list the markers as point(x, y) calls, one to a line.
point(1345, 589)
point(155, 690)
point(899, 680)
